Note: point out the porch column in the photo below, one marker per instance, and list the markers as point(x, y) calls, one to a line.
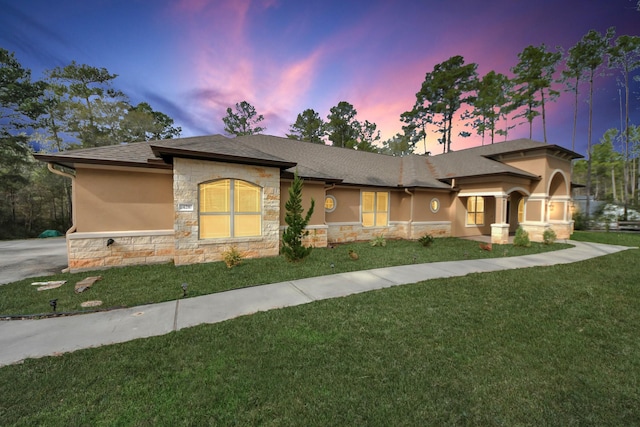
point(500, 229)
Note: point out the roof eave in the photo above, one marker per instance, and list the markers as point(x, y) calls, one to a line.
point(71, 162)
point(167, 154)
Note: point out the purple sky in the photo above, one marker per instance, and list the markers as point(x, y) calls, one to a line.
point(192, 59)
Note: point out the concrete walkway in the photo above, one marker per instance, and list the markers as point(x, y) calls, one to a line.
point(21, 339)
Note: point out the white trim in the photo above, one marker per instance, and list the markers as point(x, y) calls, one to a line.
point(519, 189)
point(132, 233)
point(566, 181)
point(482, 194)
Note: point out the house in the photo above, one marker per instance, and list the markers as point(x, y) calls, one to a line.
point(188, 200)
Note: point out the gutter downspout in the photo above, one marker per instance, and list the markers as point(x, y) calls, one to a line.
point(410, 215)
point(73, 206)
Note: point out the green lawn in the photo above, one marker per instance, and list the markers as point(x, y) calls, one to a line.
point(131, 286)
point(539, 346)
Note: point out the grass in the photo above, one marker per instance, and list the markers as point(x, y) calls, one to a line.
point(131, 286)
point(539, 346)
point(610, 238)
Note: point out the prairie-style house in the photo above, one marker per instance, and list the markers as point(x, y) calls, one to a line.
point(188, 200)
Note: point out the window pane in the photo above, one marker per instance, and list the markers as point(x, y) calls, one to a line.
point(247, 197)
point(214, 196)
point(215, 226)
point(246, 225)
point(521, 210)
point(382, 202)
point(479, 218)
point(381, 219)
point(480, 204)
point(367, 219)
point(471, 218)
point(471, 204)
point(368, 201)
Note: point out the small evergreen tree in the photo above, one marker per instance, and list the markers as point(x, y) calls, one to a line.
point(292, 247)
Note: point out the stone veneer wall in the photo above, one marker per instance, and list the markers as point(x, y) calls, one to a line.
point(536, 231)
point(189, 248)
point(89, 251)
point(352, 232)
point(317, 236)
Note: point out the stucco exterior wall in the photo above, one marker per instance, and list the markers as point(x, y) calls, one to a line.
point(189, 248)
point(311, 190)
point(123, 199)
point(347, 206)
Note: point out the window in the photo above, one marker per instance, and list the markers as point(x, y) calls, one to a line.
point(375, 208)
point(521, 210)
point(434, 205)
point(475, 210)
point(330, 204)
point(229, 208)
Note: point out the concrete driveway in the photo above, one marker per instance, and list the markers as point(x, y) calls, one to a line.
point(20, 259)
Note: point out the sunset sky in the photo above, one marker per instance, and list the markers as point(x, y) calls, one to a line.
point(191, 59)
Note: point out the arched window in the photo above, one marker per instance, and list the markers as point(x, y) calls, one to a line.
point(475, 210)
point(230, 208)
point(521, 210)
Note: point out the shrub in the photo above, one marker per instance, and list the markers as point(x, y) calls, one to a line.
point(232, 257)
point(378, 241)
point(549, 236)
point(580, 221)
point(292, 246)
point(426, 240)
point(522, 238)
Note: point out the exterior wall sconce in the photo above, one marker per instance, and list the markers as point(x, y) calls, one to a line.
point(110, 242)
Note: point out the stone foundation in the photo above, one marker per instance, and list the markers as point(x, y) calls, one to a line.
point(353, 232)
point(89, 251)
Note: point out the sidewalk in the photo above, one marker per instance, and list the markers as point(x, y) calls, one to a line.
point(21, 339)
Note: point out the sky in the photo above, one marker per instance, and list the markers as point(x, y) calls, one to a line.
point(192, 59)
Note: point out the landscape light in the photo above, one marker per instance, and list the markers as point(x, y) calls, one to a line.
point(184, 289)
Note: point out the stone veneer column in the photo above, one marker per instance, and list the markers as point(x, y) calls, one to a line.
point(190, 249)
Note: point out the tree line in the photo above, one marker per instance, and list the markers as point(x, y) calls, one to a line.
point(493, 104)
point(78, 106)
point(75, 106)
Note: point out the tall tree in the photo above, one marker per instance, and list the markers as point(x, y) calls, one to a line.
point(244, 121)
point(398, 145)
point(309, 127)
point(19, 109)
point(368, 137)
point(445, 89)
point(416, 121)
point(535, 75)
point(491, 97)
point(625, 56)
point(342, 127)
point(575, 71)
point(591, 50)
point(142, 123)
point(93, 102)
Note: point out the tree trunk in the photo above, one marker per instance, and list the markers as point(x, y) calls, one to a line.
point(544, 117)
point(613, 183)
point(575, 118)
point(588, 189)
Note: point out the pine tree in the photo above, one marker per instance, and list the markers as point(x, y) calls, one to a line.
point(292, 246)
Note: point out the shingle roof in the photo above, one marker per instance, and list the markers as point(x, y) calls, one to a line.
point(137, 154)
point(315, 161)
